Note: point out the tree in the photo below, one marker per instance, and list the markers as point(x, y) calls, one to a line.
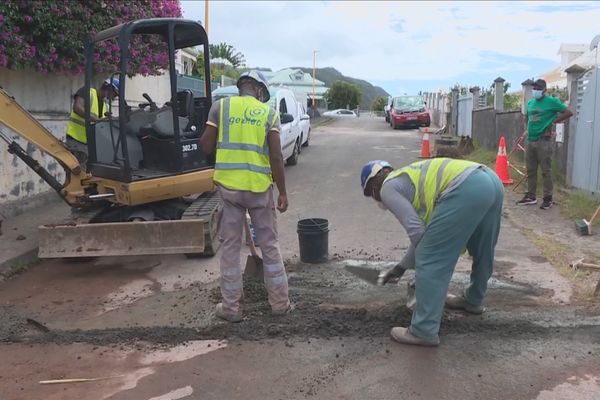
point(379, 104)
point(229, 62)
point(227, 52)
point(50, 36)
point(343, 94)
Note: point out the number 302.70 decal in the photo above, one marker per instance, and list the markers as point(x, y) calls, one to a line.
point(189, 147)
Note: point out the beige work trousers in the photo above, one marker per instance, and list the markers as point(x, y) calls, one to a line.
point(261, 208)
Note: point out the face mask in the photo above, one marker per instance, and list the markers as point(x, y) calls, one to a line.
point(538, 94)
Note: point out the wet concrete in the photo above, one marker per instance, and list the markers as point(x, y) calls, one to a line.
point(149, 324)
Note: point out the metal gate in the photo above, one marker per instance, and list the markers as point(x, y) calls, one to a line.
point(586, 154)
point(465, 115)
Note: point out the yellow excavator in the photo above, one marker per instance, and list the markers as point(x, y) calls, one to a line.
point(147, 187)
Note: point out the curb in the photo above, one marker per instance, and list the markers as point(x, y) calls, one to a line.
point(24, 259)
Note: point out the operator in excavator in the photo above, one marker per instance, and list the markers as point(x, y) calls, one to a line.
point(99, 106)
point(446, 206)
point(245, 133)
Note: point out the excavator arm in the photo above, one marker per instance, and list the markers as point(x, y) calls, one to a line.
point(16, 118)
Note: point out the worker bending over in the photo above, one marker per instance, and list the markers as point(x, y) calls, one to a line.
point(245, 133)
point(445, 205)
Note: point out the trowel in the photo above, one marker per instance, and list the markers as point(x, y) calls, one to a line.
point(375, 275)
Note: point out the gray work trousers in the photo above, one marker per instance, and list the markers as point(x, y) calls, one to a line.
point(539, 153)
point(261, 208)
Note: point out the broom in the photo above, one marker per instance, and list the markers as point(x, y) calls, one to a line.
point(585, 227)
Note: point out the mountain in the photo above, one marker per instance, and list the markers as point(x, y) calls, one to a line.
point(330, 75)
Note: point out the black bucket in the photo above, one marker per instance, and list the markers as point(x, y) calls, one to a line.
point(313, 237)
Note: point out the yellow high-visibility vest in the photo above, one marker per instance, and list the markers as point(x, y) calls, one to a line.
point(76, 125)
point(431, 178)
point(242, 161)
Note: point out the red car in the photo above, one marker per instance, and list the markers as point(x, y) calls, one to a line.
point(408, 111)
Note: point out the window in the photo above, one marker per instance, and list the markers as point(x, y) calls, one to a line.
point(282, 107)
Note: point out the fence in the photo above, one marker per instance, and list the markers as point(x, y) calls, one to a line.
point(438, 107)
point(465, 115)
point(586, 141)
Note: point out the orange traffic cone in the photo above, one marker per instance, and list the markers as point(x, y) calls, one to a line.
point(502, 163)
point(425, 147)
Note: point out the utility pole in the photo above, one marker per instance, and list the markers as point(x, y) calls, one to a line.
point(314, 70)
point(206, 16)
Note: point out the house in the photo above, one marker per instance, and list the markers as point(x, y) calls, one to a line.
point(570, 54)
point(302, 84)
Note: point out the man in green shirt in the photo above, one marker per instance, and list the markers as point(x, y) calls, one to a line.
point(543, 112)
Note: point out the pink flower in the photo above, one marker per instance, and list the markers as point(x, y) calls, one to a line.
point(28, 19)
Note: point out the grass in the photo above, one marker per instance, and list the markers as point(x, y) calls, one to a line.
point(575, 203)
point(482, 155)
point(578, 204)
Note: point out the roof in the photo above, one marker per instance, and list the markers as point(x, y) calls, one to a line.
point(294, 77)
point(572, 48)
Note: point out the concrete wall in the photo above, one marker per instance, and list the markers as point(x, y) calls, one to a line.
point(484, 127)
point(510, 125)
point(48, 98)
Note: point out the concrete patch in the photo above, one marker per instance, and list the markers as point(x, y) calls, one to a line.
point(176, 394)
point(580, 388)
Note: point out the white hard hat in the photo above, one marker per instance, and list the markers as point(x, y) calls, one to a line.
point(260, 79)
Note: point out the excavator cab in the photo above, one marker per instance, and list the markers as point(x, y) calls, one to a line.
point(140, 136)
point(148, 187)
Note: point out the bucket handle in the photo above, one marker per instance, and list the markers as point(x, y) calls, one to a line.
point(329, 224)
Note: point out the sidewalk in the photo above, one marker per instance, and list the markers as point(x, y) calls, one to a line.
point(19, 237)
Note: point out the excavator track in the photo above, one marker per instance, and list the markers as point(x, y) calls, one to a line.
point(207, 207)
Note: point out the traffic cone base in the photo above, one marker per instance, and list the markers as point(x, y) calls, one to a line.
point(425, 147)
point(502, 163)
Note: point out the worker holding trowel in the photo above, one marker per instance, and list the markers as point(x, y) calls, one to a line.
point(245, 133)
point(445, 205)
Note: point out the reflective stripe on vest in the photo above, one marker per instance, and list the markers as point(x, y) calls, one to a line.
point(242, 161)
point(431, 178)
point(76, 125)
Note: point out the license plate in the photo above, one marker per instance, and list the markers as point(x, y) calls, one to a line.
point(411, 118)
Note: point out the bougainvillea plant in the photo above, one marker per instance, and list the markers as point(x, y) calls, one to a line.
point(50, 35)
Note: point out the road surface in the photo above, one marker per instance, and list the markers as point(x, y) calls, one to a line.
point(147, 323)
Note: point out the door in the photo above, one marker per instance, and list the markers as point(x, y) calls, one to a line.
point(286, 129)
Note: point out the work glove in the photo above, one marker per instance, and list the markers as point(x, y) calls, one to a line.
point(391, 275)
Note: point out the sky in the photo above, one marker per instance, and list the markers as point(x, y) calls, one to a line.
point(404, 47)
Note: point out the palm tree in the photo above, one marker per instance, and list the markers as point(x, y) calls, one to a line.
point(229, 53)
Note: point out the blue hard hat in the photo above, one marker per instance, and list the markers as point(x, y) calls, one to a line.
point(371, 169)
point(114, 82)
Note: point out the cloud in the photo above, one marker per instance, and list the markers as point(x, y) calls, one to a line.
point(409, 41)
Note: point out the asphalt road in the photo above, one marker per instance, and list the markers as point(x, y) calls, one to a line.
point(147, 323)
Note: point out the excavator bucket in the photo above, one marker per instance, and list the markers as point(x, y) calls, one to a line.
point(121, 238)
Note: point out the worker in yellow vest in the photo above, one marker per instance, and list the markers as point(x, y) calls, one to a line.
point(245, 133)
point(446, 206)
point(99, 101)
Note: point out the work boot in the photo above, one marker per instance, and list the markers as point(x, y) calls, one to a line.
point(285, 311)
point(227, 316)
point(527, 200)
point(403, 335)
point(460, 303)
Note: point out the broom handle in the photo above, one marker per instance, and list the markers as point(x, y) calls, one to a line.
point(249, 238)
point(595, 215)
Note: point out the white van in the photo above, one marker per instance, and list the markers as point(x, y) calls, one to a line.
point(284, 101)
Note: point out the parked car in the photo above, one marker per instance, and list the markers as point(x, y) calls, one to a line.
point(283, 100)
point(340, 113)
point(225, 91)
point(409, 111)
point(304, 125)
